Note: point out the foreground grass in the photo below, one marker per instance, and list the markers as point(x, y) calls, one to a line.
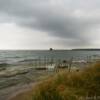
point(67, 86)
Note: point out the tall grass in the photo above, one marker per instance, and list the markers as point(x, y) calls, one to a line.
point(69, 86)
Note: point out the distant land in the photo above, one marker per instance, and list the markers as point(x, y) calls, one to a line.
point(52, 49)
point(87, 49)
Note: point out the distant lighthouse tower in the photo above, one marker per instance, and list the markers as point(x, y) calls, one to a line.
point(51, 49)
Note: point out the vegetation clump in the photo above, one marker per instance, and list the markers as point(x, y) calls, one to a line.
point(69, 86)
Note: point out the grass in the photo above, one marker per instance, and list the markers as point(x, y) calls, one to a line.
point(67, 86)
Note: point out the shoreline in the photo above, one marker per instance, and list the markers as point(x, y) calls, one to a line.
point(53, 88)
point(23, 89)
point(23, 82)
point(31, 79)
point(13, 91)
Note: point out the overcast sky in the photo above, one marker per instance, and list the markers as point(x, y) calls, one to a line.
point(41, 24)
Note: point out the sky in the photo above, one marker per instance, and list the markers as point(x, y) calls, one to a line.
point(42, 24)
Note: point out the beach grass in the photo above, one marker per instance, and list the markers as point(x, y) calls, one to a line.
point(67, 86)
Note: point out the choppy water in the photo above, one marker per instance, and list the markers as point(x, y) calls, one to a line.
point(11, 57)
point(11, 76)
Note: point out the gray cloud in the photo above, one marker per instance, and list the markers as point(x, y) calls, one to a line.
point(67, 20)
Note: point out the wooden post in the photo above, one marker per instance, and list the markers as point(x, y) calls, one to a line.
point(45, 62)
point(70, 63)
point(51, 61)
point(39, 63)
point(35, 63)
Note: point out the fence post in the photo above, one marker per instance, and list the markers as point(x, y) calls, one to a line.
point(70, 63)
point(35, 63)
point(39, 64)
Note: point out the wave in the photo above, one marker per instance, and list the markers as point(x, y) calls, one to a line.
point(4, 64)
point(28, 60)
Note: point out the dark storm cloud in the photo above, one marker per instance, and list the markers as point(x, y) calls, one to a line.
point(72, 20)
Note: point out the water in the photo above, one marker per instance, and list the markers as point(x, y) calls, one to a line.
point(11, 57)
point(20, 71)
